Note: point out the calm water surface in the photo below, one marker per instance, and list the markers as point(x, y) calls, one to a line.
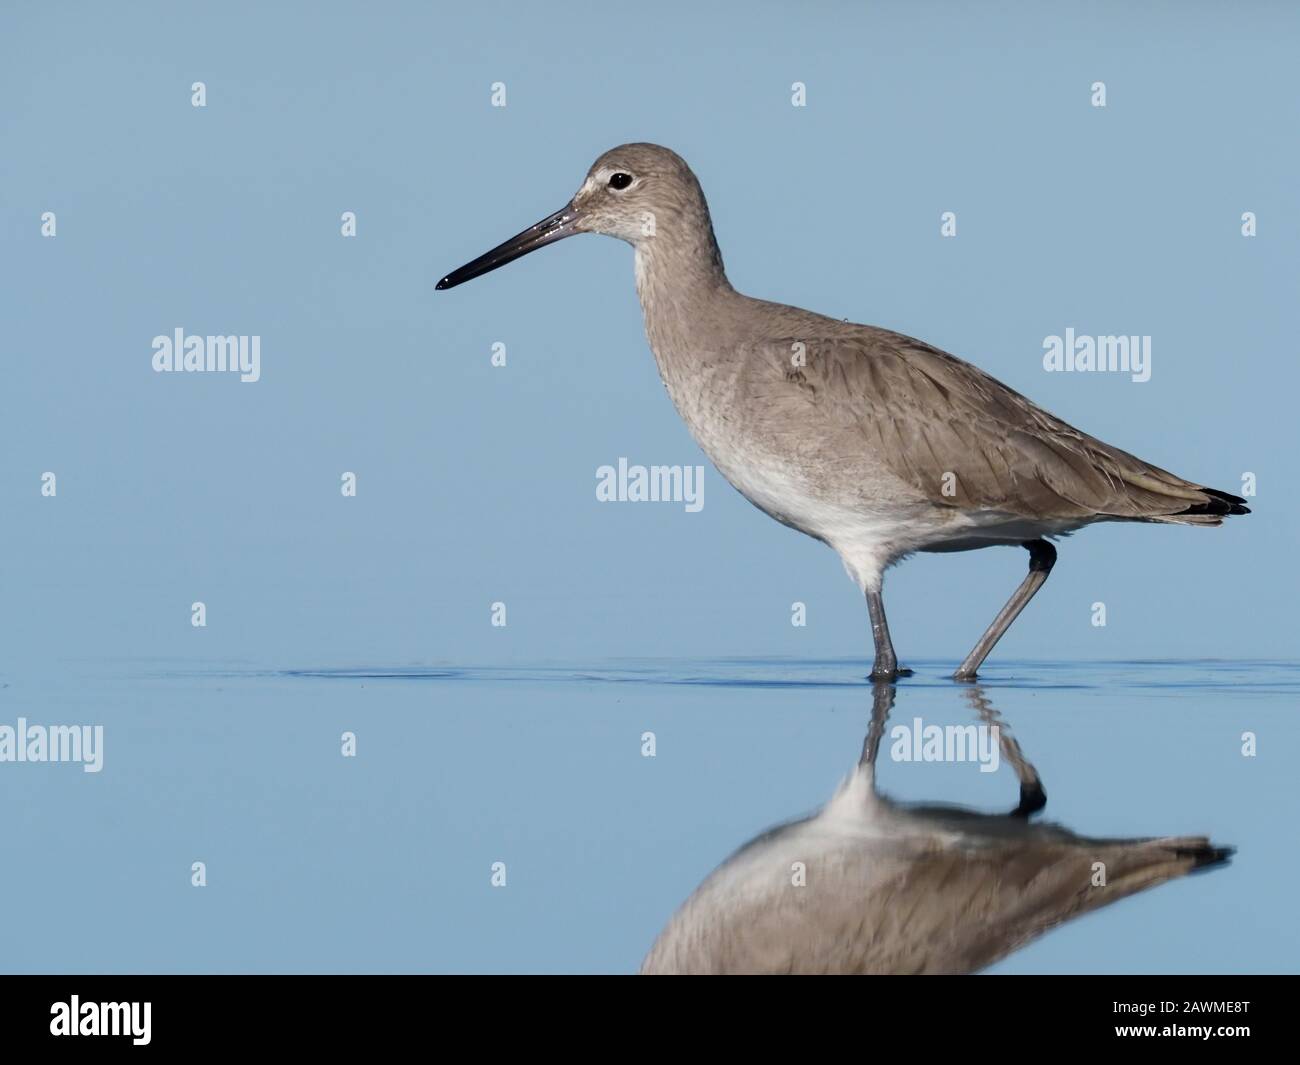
point(383, 862)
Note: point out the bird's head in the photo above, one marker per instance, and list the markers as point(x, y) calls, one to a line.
point(635, 192)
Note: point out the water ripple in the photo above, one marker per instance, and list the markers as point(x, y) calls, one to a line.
point(1201, 675)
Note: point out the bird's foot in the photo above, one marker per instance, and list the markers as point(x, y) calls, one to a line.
point(1032, 799)
point(887, 673)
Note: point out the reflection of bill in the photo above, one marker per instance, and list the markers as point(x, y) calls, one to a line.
point(867, 885)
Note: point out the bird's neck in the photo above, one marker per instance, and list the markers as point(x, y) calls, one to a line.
point(683, 290)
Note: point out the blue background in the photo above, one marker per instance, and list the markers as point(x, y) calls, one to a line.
point(476, 484)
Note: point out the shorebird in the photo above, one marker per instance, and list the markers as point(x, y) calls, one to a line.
point(877, 444)
point(892, 888)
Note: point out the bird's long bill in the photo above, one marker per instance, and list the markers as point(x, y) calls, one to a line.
point(550, 229)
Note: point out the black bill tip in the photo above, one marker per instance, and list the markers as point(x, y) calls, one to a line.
point(553, 227)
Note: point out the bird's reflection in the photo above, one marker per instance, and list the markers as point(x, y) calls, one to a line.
point(869, 885)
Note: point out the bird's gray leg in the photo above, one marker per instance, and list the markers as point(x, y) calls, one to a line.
point(886, 664)
point(1032, 796)
point(882, 701)
point(1042, 556)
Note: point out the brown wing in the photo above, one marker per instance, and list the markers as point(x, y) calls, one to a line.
point(926, 414)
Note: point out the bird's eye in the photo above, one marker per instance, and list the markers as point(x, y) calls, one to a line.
point(620, 180)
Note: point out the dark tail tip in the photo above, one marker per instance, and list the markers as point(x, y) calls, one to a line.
point(1221, 503)
point(1206, 856)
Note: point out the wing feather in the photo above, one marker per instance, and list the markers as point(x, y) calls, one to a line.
point(925, 413)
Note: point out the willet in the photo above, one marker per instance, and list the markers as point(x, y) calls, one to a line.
point(870, 441)
point(867, 885)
